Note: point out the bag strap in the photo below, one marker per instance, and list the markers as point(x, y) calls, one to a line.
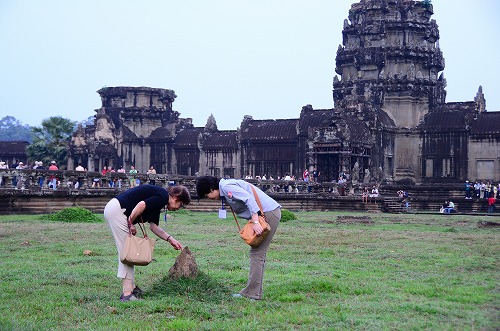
point(257, 199)
point(235, 219)
point(143, 228)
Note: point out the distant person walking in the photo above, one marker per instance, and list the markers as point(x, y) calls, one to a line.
point(53, 177)
point(491, 204)
point(21, 179)
point(112, 179)
point(14, 177)
point(316, 174)
point(104, 172)
point(152, 174)
point(122, 171)
point(132, 172)
point(41, 178)
point(468, 188)
point(3, 166)
point(80, 169)
point(305, 175)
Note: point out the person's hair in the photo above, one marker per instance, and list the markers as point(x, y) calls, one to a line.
point(180, 192)
point(205, 185)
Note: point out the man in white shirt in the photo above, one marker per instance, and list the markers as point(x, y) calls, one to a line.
point(79, 183)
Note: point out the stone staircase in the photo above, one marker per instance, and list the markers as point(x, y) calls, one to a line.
point(394, 205)
point(374, 207)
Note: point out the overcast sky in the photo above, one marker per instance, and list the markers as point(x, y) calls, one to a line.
point(265, 58)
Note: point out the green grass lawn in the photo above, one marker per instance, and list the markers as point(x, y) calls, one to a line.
point(402, 272)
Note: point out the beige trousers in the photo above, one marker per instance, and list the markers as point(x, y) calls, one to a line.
point(117, 222)
point(258, 258)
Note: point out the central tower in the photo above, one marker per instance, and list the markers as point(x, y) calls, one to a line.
point(390, 60)
point(390, 77)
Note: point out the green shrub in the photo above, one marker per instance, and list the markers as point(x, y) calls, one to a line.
point(287, 215)
point(74, 215)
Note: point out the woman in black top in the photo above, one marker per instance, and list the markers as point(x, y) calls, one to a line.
point(127, 209)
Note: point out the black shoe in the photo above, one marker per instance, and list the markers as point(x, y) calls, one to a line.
point(137, 291)
point(130, 297)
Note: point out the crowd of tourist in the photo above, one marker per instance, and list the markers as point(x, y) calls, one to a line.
point(309, 177)
point(19, 179)
point(107, 180)
point(51, 181)
point(479, 190)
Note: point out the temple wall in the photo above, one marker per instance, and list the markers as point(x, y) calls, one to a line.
point(406, 112)
point(142, 126)
point(484, 159)
point(142, 157)
point(407, 156)
point(221, 160)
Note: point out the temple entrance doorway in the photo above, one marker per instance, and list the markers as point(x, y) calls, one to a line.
point(328, 166)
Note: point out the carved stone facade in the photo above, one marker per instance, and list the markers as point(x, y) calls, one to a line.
point(134, 126)
point(390, 120)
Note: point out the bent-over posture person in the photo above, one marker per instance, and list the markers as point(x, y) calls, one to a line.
point(238, 194)
point(127, 209)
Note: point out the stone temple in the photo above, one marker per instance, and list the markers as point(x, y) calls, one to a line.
point(390, 121)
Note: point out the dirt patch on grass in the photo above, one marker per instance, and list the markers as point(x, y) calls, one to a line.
point(487, 224)
point(354, 220)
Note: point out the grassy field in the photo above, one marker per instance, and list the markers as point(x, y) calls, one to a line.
point(401, 272)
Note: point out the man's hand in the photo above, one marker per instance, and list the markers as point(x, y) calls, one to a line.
point(257, 228)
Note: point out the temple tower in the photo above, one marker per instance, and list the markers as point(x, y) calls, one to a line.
point(390, 64)
point(390, 58)
point(134, 126)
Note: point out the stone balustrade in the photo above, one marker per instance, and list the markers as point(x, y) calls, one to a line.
point(67, 180)
point(33, 179)
point(27, 196)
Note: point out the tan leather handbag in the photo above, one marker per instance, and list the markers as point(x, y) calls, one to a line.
point(137, 250)
point(247, 233)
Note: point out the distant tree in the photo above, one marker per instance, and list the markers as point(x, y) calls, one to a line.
point(87, 122)
point(12, 129)
point(51, 141)
point(426, 3)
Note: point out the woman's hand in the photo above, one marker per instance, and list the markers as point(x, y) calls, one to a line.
point(175, 244)
point(165, 236)
point(133, 230)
